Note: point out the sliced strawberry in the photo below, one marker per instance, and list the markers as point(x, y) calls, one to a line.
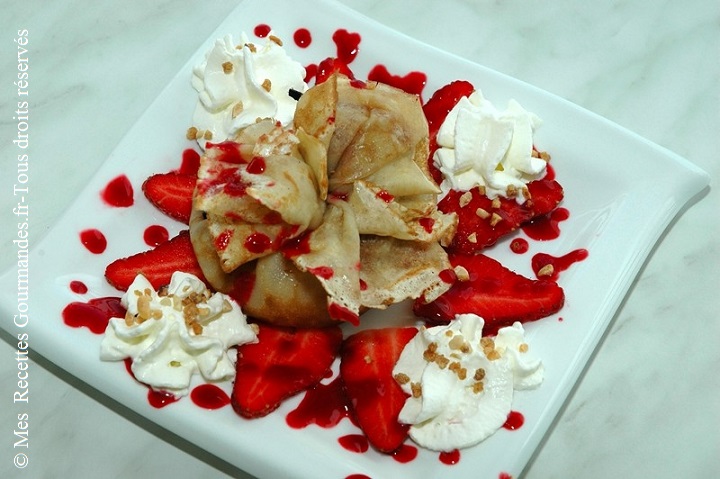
point(483, 222)
point(157, 264)
point(477, 227)
point(495, 293)
point(171, 193)
point(367, 361)
point(284, 362)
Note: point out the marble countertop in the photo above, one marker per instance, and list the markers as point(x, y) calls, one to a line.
point(647, 405)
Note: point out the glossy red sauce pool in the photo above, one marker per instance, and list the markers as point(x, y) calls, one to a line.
point(94, 314)
point(558, 263)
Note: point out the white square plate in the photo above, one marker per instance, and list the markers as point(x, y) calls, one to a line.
point(621, 191)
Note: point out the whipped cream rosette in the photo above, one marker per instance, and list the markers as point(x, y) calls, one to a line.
point(239, 82)
point(317, 222)
point(177, 332)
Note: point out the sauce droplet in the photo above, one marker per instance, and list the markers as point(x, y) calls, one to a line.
point(256, 165)
point(514, 421)
point(78, 287)
point(405, 453)
point(262, 30)
point(160, 399)
point(385, 196)
point(450, 457)
point(155, 235)
point(258, 243)
point(118, 192)
point(93, 240)
point(302, 37)
point(354, 443)
point(519, 246)
point(209, 396)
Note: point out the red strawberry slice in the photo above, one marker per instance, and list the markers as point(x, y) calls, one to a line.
point(284, 362)
point(495, 293)
point(157, 265)
point(367, 361)
point(171, 193)
point(483, 222)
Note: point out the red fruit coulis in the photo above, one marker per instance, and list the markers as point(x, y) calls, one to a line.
point(302, 37)
point(160, 399)
point(413, 83)
point(324, 272)
point(93, 240)
point(155, 235)
point(209, 396)
point(257, 165)
point(504, 475)
point(341, 313)
point(190, 163)
point(354, 443)
point(297, 246)
point(78, 287)
point(118, 192)
point(559, 264)
point(157, 399)
point(427, 224)
point(514, 421)
point(519, 246)
point(258, 243)
point(358, 476)
point(405, 453)
point(223, 240)
point(262, 30)
point(348, 45)
point(311, 71)
point(324, 405)
point(384, 196)
point(94, 314)
point(228, 152)
point(450, 458)
point(546, 227)
point(448, 276)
